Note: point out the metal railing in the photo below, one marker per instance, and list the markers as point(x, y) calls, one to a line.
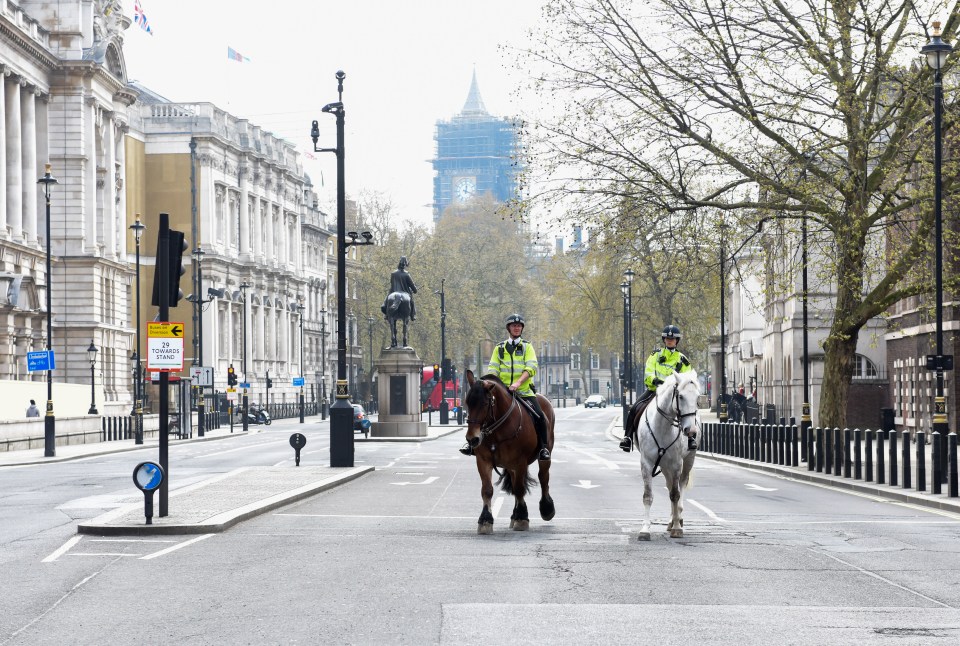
point(882, 457)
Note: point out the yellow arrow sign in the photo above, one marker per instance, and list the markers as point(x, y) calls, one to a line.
point(161, 330)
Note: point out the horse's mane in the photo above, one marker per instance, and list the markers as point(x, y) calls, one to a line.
point(477, 393)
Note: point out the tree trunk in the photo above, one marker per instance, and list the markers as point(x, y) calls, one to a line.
point(840, 348)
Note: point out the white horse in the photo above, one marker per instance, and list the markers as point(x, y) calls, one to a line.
point(663, 432)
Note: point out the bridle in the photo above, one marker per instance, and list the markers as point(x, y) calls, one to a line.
point(675, 420)
point(487, 427)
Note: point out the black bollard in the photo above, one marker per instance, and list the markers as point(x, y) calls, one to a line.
point(893, 458)
point(921, 461)
point(905, 458)
point(297, 441)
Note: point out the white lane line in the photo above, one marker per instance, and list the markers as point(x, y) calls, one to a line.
point(239, 448)
point(101, 554)
point(497, 504)
point(57, 553)
point(884, 579)
point(55, 604)
point(707, 511)
point(175, 547)
point(128, 540)
point(610, 464)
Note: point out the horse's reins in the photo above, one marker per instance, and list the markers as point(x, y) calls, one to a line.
point(488, 429)
point(674, 421)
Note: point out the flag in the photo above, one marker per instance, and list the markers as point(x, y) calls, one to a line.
point(234, 55)
point(309, 155)
point(141, 18)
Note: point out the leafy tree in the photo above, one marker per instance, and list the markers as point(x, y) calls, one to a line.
point(703, 107)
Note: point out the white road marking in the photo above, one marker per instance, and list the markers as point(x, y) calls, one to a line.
point(425, 482)
point(175, 547)
point(877, 576)
point(497, 504)
point(595, 457)
point(585, 484)
point(55, 604)
point(758, 487)
point(101, 554)
point(57, 553)
point(705, 510)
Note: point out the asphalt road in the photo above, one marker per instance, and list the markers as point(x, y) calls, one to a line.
point(394, 557)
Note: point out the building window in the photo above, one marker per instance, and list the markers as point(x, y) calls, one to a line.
point(575, 361)
point(863, 368)
point(594, 361)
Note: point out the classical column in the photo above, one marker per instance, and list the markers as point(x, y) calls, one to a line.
point(14, 165)
point(261, 331)
point(109, 187)
point(3, 149)
point(28, 139)
point(244, 213)
point(270, 226)
point(91, 191)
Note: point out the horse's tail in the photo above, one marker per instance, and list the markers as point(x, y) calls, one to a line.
point(506, 483)
point(393, 304)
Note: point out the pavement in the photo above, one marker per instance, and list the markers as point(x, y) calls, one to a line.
point(218, 503)
point(882, 492)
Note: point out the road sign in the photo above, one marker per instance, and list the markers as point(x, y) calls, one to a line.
point(231, 394)
point(201, 375)
point(298, 381)
point(42, 360)
point(164, 346)
point(245, 386)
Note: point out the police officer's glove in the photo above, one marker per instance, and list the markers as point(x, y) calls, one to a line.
point(657, 382)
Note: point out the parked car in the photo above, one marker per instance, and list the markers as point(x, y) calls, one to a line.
point(595, 401)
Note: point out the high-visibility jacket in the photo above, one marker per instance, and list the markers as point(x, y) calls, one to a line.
point(663, 363)
point(510, 359)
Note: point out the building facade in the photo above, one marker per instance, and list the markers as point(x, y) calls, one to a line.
point(476, 154)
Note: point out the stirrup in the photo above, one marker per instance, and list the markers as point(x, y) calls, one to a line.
point(626, 444)
point(544, 454)
point(466, 449)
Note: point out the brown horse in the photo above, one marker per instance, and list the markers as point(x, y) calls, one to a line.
point(501, 431)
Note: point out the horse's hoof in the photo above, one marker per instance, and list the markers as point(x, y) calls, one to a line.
point(521, 525)
point(643, 536)
point(676, 533)
point(485, 528)
point(512, 523)
point(547, 510)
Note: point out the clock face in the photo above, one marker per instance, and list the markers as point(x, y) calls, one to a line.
point(464, 188)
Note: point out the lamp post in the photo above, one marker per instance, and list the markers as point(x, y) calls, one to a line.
point(629, 275)
point(50, 421)
point(722, 402)
point(626, 368)
point(300, 309)
point(341, 415)
point(92, 356)
point(137, 227)
point(564, 373)
point(198, 302)
point(444, 407)
point(244, 286)
point(936, 52)
point(370, 322)
point(323, 364)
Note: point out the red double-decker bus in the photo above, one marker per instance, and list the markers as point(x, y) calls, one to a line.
point(430, 396)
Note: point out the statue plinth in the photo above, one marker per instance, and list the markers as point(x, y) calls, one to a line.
point(398, 388)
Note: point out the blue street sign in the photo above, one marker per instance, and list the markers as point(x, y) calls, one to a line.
point(42, 360)
point(147, 476)
point(245, 385)
point(298, 381)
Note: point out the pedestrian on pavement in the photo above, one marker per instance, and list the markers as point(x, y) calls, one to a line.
point(32, 410)
point(660, 365)
point(515, 362)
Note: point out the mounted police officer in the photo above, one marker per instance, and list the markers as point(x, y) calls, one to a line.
point(660, 365)
point(515, 362)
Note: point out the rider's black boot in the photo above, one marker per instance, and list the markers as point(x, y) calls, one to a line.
point(466, 449)
point(626, 444)
point(541, 425)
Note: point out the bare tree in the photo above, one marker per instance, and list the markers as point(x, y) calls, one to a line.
point(702, 107)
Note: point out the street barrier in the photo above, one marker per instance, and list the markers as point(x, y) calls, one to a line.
point(881, 456)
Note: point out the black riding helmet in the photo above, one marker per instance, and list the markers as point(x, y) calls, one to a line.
point(515, 318)
point(671, 332)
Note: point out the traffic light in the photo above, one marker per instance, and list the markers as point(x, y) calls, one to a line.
point(177, 246)
point(269, 382)
point(231, 376)
point(436, 372)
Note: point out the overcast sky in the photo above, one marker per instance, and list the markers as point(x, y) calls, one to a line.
point(408, 63)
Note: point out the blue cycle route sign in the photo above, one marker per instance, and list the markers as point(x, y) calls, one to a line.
point(298, 381)
point(42, 360)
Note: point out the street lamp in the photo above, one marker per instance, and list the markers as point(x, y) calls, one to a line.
point(370, 322)
point(244, 286)
point(625, 369)
point(50, 421)
point(92, 355)
point(341, 415)
point(444, 407)
point(323, 364)
point(137, 227)
point(300, 309)
point(936, 52)
point(198, 302)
